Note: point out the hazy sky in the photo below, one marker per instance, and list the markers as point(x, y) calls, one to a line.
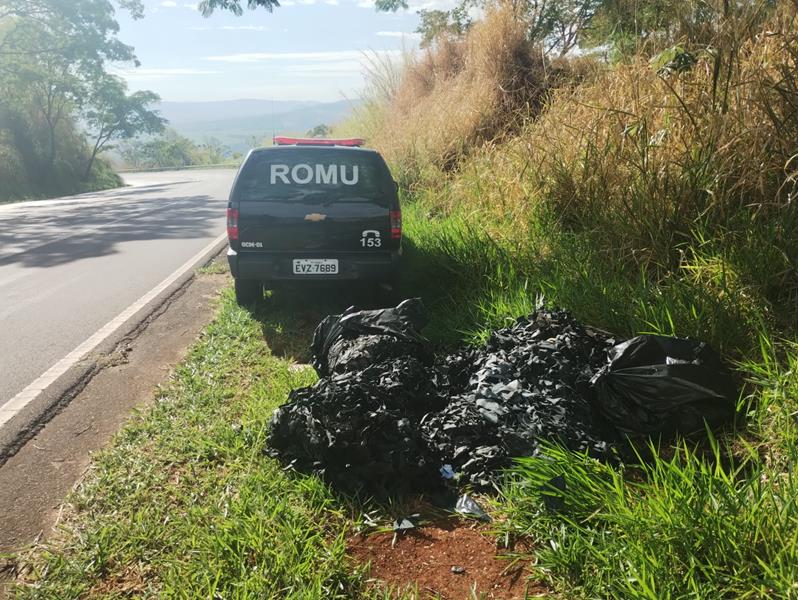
point(304, 50)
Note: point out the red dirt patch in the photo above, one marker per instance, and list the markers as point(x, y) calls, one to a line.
point(424, 557)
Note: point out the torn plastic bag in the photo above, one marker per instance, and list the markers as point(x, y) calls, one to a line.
point(469, 507)
point(661, 385)
point(524, 387)
point(358, 338)
point(359, 430)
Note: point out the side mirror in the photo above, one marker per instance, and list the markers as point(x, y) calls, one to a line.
point(396, 185)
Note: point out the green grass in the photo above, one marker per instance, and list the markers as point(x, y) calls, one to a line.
point(474, 282)
point(185, 504)
point(688, 522)
point(690, 526)
point(215, 267)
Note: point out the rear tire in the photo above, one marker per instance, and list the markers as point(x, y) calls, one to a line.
point(248, 291)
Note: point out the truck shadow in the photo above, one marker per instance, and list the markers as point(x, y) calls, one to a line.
point(289, 315)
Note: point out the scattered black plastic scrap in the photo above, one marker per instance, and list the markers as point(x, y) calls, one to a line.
point(525, 386)
point(387, 418)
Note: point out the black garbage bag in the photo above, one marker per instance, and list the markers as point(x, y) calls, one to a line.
point(349, 354)
point(660, 385)
point(388, 418)
point(358, 338)
point(359, 430)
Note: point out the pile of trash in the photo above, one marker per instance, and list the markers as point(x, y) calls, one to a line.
point(388, 417)
point(528, 384)
point(358, 426)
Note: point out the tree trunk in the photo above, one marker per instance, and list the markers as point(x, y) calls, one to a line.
point(97, 145)
point(90, 165)
point(51, 157)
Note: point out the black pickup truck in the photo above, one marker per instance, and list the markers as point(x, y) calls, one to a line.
point(312, 210)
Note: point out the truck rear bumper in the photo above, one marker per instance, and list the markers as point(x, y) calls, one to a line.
point(278, 266)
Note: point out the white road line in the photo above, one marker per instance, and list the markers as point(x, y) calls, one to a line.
point(11, 408)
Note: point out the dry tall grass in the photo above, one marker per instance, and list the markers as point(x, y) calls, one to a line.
point(660, 150)
point(461, 94)
point(655, 164)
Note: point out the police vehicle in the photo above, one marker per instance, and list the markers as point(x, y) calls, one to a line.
point(312, 210)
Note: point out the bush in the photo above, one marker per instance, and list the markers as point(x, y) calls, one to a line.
point(672, 176)
point(26, 173)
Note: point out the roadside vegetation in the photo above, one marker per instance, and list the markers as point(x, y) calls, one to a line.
point(170, 150)
point(186, 504)
point(648, 186)
point(60, 108)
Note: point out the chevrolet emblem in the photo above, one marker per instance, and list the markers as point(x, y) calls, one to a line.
point(316, 217)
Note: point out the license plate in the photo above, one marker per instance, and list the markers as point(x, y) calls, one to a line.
point(315, 266)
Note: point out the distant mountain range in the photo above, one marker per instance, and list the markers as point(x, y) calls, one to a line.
point(236, 123)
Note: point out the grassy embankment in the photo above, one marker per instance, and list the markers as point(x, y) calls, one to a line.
point(640, 200)
point(644, 198)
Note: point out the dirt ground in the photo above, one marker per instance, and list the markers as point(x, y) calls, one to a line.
point(455, 560)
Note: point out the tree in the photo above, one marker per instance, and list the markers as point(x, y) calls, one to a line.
point(208, 6)
point(390, 5)
point(435, 23)
point(54, 95)
point(168, 150)
point(53, 57)
point(559, 25)
point(212, 151)
point(320, 131)
point(83, 29)
point(50, 48)
point(627, 24)
point(113, 114)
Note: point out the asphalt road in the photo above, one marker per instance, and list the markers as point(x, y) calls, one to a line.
point(68, 266)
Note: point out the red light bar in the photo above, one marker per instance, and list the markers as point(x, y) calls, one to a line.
point(289, 141)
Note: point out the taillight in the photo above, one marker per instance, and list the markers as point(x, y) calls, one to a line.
point(396, 224)
point(232, 224)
